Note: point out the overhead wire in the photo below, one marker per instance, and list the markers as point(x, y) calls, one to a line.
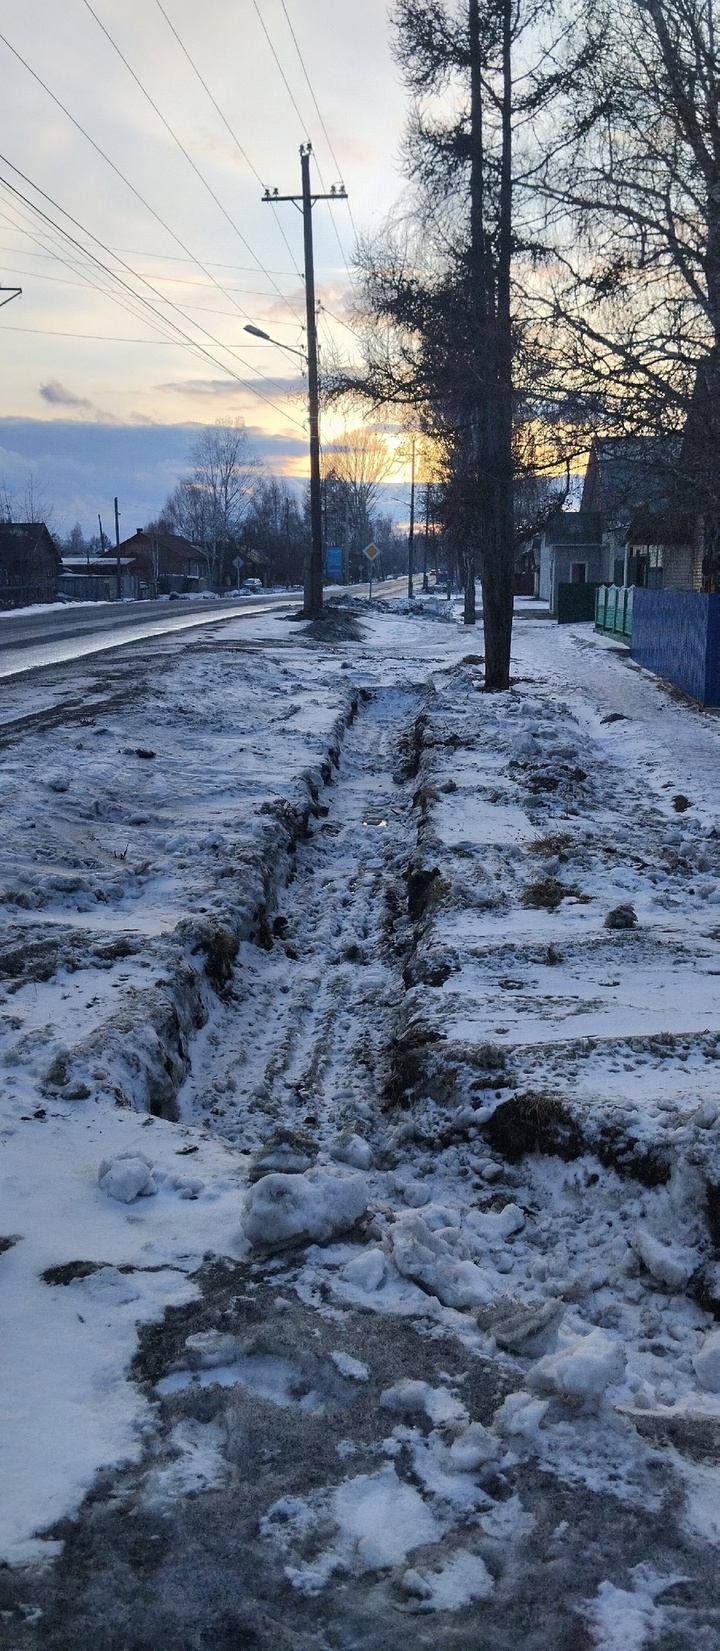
point(189, 342)
point(196, 169)
point(137, 297)
point(175, 258)
point(116, 169)
point(71, 263)
point(303, 125)
point(226, 124)
point(318, 111)
point(39, 275)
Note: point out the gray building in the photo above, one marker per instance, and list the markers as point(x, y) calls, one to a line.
point(571, 552)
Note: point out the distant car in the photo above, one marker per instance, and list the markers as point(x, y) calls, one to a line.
point(252, 586)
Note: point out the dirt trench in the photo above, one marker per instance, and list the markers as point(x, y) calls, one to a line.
point(321, 1027)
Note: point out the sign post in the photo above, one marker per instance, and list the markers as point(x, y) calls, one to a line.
point(334, 563)
point(370, 552)
point(238, 563)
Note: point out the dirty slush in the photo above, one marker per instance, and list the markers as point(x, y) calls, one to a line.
point(360, 1167)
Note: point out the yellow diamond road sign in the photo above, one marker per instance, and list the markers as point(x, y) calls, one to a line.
point(371, 551)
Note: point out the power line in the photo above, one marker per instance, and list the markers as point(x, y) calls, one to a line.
point(179, 280)
point(188, 157)
point(340, 322)
point(335, 160)
point(175, 258)
point(291, 96)
point(116, 169)
point(189, 342)
point(98, 337)
point(145, 282)
point(225, 121)
point(283, 75)
point(72, 264)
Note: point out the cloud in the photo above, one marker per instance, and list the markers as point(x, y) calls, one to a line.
point(58, 395)
point(224, 387)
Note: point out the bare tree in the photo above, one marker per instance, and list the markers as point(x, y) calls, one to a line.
point(209, 505)
point(359, 461)
point(632, 228)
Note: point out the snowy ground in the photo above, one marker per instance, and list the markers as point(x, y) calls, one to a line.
point(360, 1184)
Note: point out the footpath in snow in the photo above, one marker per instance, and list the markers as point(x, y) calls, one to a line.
point(359, 1146)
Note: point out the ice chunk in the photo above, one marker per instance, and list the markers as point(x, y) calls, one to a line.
point(521, 1415)
point(464, 1578)
point(283, 1210)
point(669, 1264)
point(108, 1287)
point(580, 1370)
point(428, 1259)
point(407, 1396)
point(208, 1349)
point(351, 1149)
point(348, 1366)
point(366, 1272)
point(416, 1194)
point(285, 1152)
point(127, 1177)
point(384, 1516)
point(472, 1447)
point(620, 1620)
point(707, 1362)
point(496, 1225)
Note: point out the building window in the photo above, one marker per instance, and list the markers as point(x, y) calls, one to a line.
point(578, 573)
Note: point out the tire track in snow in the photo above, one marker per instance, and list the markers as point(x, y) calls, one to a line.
point(305, 1033)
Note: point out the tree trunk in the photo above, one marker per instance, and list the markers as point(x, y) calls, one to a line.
point(499, 557)
point(491, 460)
point(469, 579)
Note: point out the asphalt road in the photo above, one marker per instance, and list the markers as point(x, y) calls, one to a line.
point(51, 624)
point(52, 636)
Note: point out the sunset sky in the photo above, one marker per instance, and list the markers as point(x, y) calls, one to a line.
point(95, 398)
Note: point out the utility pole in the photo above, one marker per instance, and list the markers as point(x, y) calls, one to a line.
point(411, 534)
point(314, 565)
point(425, 543)
point(117, 550)
point(102, 542)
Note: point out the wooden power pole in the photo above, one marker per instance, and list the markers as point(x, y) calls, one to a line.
point(411, 534)
point(118, 568)
point(314, 565)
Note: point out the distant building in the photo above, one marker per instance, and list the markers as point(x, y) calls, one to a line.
point(571, 552)
point(162, 562)
point(651, 527)
point(89, 578)
point(637, 523)
point(30, 564)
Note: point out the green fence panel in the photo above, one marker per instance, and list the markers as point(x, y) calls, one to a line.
point(575, 603)
point(613, 610)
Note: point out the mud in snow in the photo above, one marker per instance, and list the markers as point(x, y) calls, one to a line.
point(360, 1156)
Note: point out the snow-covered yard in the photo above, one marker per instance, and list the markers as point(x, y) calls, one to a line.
point(359, 1146)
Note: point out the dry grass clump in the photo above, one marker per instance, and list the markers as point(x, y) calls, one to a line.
point(547, 894)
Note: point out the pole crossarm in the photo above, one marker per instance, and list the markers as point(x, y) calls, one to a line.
point(12, 292)
point(271, 197)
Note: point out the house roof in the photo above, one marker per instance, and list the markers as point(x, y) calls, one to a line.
point(20, 540)
point(574, 527)
point(147, 542)
point(627, 474)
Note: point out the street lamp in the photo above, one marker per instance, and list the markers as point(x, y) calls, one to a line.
point(257, 332)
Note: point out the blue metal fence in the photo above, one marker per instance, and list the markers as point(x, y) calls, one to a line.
point(676, 634)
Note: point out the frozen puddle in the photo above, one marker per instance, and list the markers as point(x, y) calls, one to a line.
point(266, 1375)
